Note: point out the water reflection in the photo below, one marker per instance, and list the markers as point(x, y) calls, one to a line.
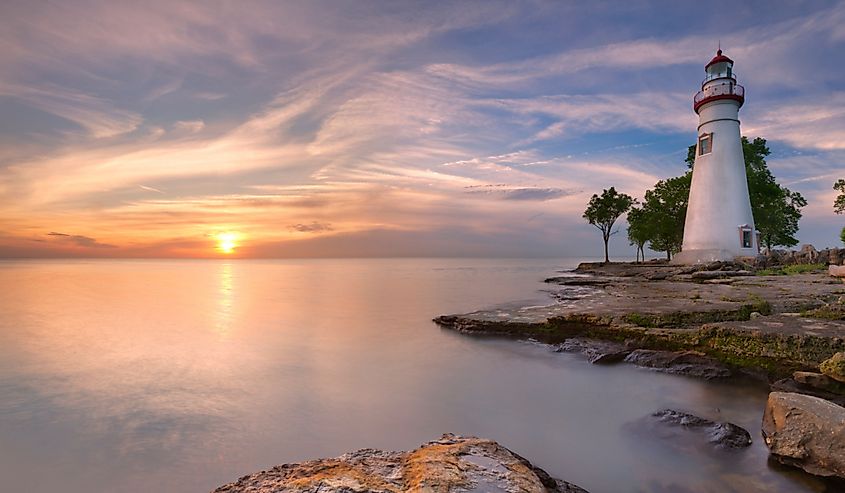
point(225, 294)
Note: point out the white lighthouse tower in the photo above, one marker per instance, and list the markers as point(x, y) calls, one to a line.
point(719, 224)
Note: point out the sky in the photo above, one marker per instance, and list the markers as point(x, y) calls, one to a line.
point(335, 128)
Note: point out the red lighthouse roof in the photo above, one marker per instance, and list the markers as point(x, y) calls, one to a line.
point(718, 58)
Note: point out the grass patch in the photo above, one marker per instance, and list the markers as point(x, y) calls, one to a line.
point(756, 303)
point(753, 303)
point(827, 312)
point(791, 270)
point(641, 319)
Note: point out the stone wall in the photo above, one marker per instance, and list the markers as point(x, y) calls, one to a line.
point(806, 255)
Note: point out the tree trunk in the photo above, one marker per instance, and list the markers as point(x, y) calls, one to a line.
point(668, 254)
point(606, 258)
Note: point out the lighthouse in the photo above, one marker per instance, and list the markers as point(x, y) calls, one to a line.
point(719, 224)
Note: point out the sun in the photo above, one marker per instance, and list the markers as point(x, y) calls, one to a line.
point(227, 242)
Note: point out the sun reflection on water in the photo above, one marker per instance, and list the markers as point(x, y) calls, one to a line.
point(223, 322)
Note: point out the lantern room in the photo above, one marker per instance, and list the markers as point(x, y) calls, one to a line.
point(720, 67)
point(720, 83)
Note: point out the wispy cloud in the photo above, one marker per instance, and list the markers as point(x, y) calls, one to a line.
point(79, 240)
point(506, 192)
point(98, 116)
point(150, 189)
point(808, 123)
point(576, 115)
point(313, 227)
point(189, 126)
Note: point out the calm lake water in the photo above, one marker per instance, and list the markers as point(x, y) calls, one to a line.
point(138, 376)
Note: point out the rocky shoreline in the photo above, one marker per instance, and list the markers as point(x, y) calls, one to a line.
point(769, 326)
point(710, 321)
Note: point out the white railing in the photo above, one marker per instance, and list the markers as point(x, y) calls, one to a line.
point(723, 89)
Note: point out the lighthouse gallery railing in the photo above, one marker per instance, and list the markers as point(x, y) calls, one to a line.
point(723, 89)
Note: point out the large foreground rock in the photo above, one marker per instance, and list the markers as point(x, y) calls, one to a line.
point(807, 432)
point(801, 387)
point(450, 464)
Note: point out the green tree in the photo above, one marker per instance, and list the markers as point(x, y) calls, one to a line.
point(776, 209)
point(603, 211)
point(638, 230)
point(779, 213)
point(839, 203)
point(664, 211)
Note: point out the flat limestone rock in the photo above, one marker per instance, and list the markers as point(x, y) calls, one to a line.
point(451, 464)
point(818, 381)
point(579, 281)
point(806, 432)
point(669, 303)
point(720, 274)
point(765, 323)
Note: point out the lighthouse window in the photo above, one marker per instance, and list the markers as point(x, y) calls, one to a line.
point(705, 144)
point(746, 238)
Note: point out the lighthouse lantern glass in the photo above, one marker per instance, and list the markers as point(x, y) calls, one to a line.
point(720, 70)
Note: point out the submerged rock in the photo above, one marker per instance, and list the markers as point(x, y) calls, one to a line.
point(450, 464)
point(691, 363)
point(722, 433)
point(597, 352)
point(806, 432)
point(579, 281)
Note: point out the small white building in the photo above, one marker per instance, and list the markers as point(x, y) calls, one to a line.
point(719, 224)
